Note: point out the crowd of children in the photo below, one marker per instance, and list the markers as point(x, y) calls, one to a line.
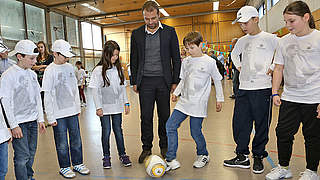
point(296, 62)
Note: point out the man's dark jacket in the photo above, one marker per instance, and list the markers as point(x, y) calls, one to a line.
point(169, 52)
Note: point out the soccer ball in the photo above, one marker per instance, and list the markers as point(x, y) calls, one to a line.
point(155, 166)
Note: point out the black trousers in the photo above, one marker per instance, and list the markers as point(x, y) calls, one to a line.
point(151, 90)
point(291, 114)
point(235, 82)
point(252, 106)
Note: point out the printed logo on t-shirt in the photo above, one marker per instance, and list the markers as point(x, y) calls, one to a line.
point(23, 98)
point(64, 94)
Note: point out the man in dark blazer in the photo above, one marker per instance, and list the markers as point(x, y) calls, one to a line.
point(155, 68)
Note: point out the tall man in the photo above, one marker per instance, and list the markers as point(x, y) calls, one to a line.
point(155, 68)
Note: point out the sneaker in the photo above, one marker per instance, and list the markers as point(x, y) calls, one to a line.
point(82, 169)
point(240, 161)
point(309, 175)
point(125, 160)
point(173, 164)
point(163, 152)
point(106, 163)
point(67, 173)
point(201, 161)
point(258, 167)
point(279, 173)
point(144, 154)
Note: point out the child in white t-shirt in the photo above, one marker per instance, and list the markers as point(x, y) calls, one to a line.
point(297, 62)
point(194, 87)
point(110, 97)
point(253, 103)
point(62, 106)
point(81, 77)
point(22, 104)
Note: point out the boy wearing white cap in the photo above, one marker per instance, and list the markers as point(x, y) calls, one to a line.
point(22, 104)
point(62, 106)
point(5, 62)
point(253, 101)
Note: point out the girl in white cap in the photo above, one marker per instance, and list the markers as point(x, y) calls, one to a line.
point(23, 107)
point(297, 62)
point(62, 106)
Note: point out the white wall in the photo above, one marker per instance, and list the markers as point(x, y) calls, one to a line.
point(273, 21)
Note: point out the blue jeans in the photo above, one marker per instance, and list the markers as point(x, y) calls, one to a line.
point(117, 130)
point(173, 123)
point(68, 125)
point(3, 160)
point(25, 150)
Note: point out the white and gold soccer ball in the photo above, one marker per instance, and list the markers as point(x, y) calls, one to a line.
point(155, 166)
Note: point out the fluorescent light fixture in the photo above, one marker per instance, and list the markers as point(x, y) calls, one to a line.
point(163, 12)
point(216, 6)
point(92, 8)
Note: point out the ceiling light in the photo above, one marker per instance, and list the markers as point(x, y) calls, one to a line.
point(92, 8)
point(163, 12)
point(216, 6)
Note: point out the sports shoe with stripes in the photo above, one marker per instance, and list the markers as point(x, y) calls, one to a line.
point(240, 161)
point(67, 173)
point(82, 169)
point(201, 161)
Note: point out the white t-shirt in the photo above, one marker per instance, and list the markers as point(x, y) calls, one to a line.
point(301, 59)
point(81, 75)
point(110, 98)
point(61, 91)
point(21, 96)
point(257, 53)
point(4, 132)
point(195, 85)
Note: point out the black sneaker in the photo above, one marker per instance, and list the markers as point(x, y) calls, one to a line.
point(143, 155)
point(240, 161)
point(258, 167)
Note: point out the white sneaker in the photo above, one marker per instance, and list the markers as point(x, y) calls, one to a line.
point(309, 175)
point(67, 173)
point(279, 173)
point(82, 169)
point(174, 164)
point(201, 161)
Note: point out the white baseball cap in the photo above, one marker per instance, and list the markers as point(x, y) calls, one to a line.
point(3, 47)
point(245, 14)
point(63, 47)
point(26, 47)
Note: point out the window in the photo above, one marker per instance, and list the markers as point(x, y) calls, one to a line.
point(97, 39)
point(72, 31)
point(274, 2)
point(57, 28)
point(36, 23)
point(269, 4)
point(11, 20)
point(86, 35)
point(262, 10)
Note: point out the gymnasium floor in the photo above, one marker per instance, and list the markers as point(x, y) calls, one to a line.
point(216, 128)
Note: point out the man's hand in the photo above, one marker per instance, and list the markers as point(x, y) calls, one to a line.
point(174, 98)
point(173, 87)
point(54, 123)
point(99, 112)
point(135, 89)
point(17, 132)
point(218, 106)
point(42, 128)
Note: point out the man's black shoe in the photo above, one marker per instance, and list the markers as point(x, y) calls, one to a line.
point(143, 155)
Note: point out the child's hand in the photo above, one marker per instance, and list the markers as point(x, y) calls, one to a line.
point(318, 110)
point(174, 98)
point(17, 132)
point(218, 106)
point(99, 112)
point(54, 123)
point(277, 101)
point(42, 128)
point(126, 110)
point(270, 72)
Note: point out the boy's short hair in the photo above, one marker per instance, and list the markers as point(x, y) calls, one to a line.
point(78, 63)
point(193, 37)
